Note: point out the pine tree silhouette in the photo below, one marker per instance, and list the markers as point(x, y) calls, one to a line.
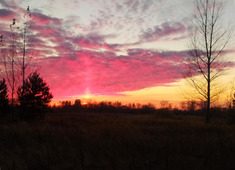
point(4, 101)
point(35, 92)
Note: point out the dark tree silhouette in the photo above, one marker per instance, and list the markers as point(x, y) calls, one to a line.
point(25, 42)
point(209, 40)
point(4, 101)
point(8, 45)
point(16, 47)
point(35, 93)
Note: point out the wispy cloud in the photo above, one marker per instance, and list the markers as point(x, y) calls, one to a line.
point(165, 30)
point(8, 3)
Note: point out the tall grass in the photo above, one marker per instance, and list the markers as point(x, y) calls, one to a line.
point(90, 141)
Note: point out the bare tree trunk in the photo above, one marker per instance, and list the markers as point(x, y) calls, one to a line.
point(24, 52)
point(15, 52)
point(209, 40)
point(9, 53)
point(13, 77)
point(208, 96)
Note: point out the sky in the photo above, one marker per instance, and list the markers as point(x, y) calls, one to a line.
point(131, 51)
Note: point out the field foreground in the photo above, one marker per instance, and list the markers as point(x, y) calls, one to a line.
point(92, 141)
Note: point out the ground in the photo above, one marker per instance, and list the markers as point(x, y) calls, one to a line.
point(116, 141)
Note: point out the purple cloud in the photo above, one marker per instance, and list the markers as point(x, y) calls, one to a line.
point(165, 30)
point(45, 20)
point(6, 14)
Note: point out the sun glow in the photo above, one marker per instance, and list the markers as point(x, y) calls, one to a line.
point(86, 97)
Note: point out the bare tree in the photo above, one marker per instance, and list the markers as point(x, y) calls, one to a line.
point(207, 46)
point(16, 50)
point(25, 41)
point(231, 95)
point(8, 59)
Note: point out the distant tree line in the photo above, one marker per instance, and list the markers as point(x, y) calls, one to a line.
point(104, 107)
point(187, 108)
point(192, 106)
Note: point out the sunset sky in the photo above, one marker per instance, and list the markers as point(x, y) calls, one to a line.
point(112, 50)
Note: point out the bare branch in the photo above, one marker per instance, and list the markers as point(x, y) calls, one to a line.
point(208, 43)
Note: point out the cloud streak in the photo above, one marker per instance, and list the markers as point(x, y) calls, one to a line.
point(166, 30)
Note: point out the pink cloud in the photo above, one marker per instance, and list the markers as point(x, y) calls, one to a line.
point(92, 42)
point(45, 20)
point(107, 73)
point(6, 14)
point(71, 72)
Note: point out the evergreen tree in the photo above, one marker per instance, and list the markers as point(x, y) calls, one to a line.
point(35, 93)
point(4, 101)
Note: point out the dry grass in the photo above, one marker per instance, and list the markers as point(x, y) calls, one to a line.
point(91, 141)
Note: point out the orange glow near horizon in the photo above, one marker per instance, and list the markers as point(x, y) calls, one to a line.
point(172, 93)
point(153, 95)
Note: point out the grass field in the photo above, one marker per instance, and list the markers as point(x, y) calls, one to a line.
point(92, 141)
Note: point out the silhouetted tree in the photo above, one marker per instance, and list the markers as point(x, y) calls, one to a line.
point(35, 93)
point(4, 101)
point(16, 47)
point(8, 44)
point(191, 105)
point(233, 105)
point(208, 42)
point(230, 96)
point(66, 103)
point(149, 108)
point(77, 102)
point(164, 104)
point(183, 105)
point(25, 42)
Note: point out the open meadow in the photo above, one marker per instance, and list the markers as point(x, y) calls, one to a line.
point(115, 141)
